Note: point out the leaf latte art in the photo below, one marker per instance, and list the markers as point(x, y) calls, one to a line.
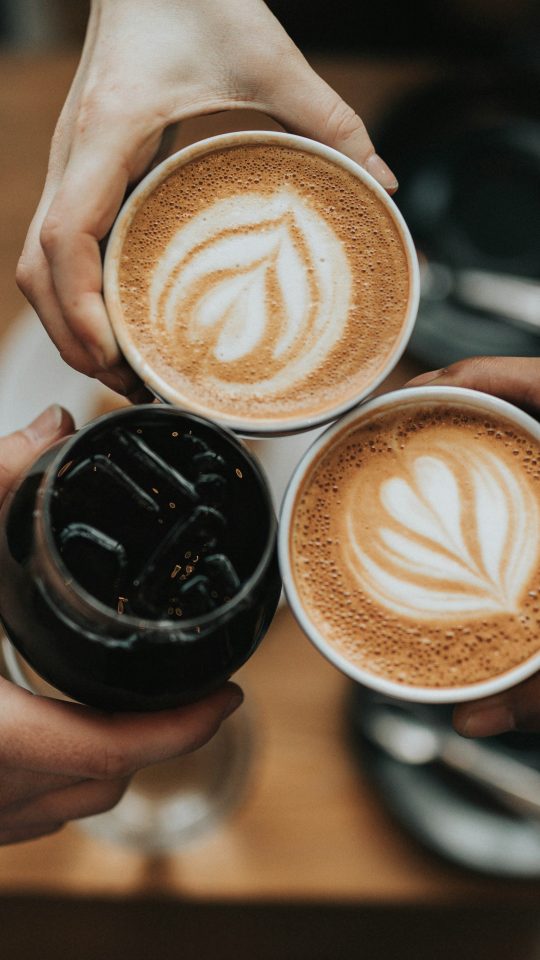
point(260, 284)
point(257, 288)
point(456, 534)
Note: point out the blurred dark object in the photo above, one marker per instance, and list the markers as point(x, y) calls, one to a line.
point(467, 155)
point(454, 28)
point(43, 24)
point(443, 809)
point(140, 927)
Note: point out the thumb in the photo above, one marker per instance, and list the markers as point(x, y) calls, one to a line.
point(514, 709)
point(305, 104)
point(20, 449)
point(516, 379)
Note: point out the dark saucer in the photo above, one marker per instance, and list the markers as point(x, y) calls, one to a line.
point(444, 810)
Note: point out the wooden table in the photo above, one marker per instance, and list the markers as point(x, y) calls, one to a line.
point(311, 829)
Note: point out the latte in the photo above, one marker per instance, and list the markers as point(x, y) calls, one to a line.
point(261, 281)
point(415, 543)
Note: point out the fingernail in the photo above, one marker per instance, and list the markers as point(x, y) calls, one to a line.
point(47, 424)
point(376, 166)
point(424, 378)
point(487, 721)
point(233, 704)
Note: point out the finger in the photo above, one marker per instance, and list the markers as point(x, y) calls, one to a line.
point(20, 449)
point(305, 104)
point(34, 279)
point(64, 738)
point(516, 379)
point(102, 163)
point(515, 709)
point(85, 799)
point(34, 832)
point(18, 785)
point(33, 274)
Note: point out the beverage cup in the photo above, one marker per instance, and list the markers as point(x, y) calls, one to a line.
point(270, 295)
point(429, 499)
point(138, 560)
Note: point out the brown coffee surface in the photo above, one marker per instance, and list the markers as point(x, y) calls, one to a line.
point(262, 281)
point(415, 545)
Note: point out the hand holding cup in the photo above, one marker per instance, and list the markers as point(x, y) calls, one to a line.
point(145, 67)
point(60, 761)
point(410, 545)
point(516, 379)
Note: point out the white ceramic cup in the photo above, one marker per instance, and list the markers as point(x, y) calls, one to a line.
point(413, 396)
point(270, 426)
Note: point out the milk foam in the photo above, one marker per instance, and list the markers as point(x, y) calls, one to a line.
point(261, 281)
point(254, 275)
point(415, 545)
point(454, 535)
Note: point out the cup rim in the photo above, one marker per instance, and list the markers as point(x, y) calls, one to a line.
point(169, 629)
point(270, 426)
point(397, 398)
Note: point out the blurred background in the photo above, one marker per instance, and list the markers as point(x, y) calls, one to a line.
point(339, 847)
point(456, 28)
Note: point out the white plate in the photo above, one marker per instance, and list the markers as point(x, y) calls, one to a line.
point(33, 375)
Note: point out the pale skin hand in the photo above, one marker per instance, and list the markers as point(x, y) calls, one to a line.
point(516, 379)
point(61, 761)
point(145, 66)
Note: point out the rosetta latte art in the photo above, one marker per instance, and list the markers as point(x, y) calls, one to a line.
point(454, 536)
point(258, 286)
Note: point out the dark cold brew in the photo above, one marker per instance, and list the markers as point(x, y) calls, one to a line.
point(138, 560)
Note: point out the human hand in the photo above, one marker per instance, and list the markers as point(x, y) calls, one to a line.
point(145, 66)
point(60, 761)
point(516, 379)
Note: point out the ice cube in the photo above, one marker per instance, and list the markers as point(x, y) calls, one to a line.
point(222, 575)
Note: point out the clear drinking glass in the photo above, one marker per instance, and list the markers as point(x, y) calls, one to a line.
point(139, 572)
point(138, 560)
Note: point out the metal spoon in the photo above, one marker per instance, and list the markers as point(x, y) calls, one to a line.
point(411, 741)
point(514, 299)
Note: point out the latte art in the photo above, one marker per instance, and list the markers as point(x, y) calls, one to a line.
point(415, 544)
point(253, 277)
point(459, 535)
point(261, 284)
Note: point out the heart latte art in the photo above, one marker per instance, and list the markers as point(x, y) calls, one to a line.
point(424, 528)
point(459, 534)
point(260, 282)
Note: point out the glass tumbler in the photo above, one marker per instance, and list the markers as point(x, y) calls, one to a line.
point(139, 572)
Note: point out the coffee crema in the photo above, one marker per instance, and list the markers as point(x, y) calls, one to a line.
point(263, 281)
point(415, 545)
